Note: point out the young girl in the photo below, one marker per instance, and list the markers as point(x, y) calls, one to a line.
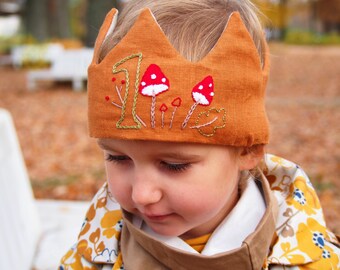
point(176, 100)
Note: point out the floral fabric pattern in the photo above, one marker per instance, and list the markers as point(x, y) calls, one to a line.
point(301, 241)
point(98, 241)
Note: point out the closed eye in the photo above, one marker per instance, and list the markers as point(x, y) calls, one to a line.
point(117, 158)
point(175, 167)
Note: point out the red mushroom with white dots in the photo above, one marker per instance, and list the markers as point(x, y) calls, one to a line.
point(153, 83)
point(202, 94)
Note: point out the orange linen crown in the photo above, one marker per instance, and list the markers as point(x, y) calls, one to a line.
point(145, 90)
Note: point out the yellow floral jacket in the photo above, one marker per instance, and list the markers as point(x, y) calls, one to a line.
point(301, 240)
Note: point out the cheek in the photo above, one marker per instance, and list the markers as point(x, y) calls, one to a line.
point(118, 185)
point(208, 198)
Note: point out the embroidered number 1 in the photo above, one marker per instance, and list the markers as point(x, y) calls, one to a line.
point(127, 85)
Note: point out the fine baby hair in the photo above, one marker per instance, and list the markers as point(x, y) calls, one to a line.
point(176, 95)
point(191, 26)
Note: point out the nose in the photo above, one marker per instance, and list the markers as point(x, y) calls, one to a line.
point(145, 191)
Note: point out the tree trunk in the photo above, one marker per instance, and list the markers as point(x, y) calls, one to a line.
point(59, 19)
point(35, 18)
point(283, 18)
point(95, 14)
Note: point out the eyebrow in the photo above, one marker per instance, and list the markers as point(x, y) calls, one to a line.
point(171, 154)
point(103, 145)
point(180, 156)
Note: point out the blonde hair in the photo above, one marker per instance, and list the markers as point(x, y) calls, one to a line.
point(192, 26)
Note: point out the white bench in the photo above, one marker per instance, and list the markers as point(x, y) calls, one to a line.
point(35, 53)
point(70, 65)
point(34, 234)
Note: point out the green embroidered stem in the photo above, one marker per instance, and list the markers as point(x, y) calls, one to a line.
point(135, 97)
point(121, 100)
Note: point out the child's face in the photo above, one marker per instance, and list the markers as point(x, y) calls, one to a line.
point(178, 189)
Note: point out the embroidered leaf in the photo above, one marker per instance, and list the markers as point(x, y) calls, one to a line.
point(208, 122)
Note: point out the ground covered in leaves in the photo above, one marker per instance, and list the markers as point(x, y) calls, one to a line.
point(303, 105)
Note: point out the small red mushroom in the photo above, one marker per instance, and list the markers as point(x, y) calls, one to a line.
point(202, 94)
point(152, 84)
point(175, 103)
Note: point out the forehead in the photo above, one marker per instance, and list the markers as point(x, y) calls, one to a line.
point(114, 143)
point(159, 147)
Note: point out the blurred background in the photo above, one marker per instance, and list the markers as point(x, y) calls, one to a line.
point(45, 47)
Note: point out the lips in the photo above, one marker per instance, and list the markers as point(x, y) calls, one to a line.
point(156, 218)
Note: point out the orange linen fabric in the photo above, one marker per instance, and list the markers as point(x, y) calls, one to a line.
point(229, 110)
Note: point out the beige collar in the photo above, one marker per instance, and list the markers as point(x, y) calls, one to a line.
point(141, 251)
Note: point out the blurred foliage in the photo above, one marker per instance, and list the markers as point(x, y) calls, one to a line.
point(275, 15)
point(77, 20)
point(302, 37)
point(67, 43)
point(7, 43)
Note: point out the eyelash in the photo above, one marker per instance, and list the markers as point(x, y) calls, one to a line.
point(175, 167)
point(116, 159)
point(172, 167)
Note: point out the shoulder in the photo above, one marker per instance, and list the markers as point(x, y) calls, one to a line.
point(98, 240)
point(302, 237)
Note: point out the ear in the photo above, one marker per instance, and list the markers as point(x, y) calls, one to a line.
point(250, 157)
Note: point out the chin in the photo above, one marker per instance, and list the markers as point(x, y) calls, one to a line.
point(166, 232)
